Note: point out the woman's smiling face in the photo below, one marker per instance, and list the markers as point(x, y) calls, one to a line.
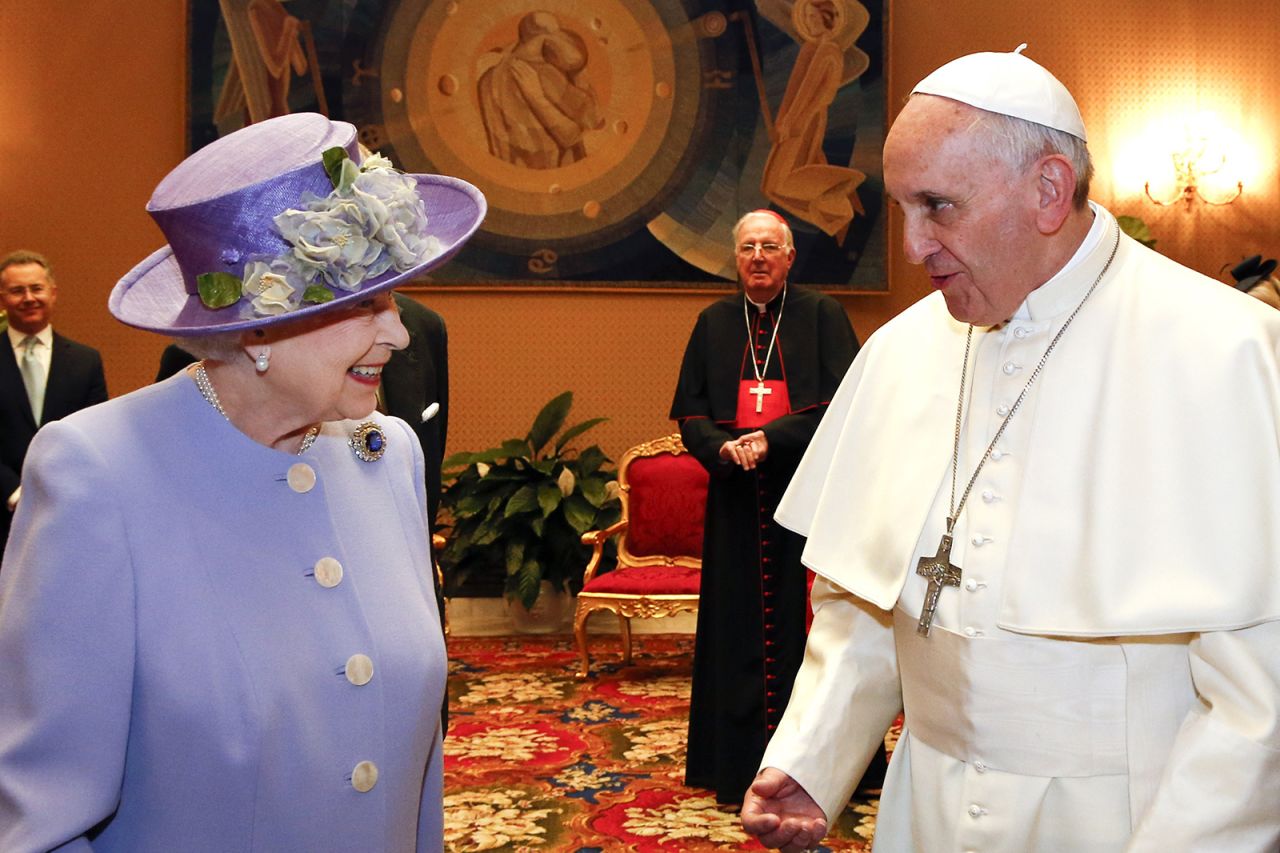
point(330, 368)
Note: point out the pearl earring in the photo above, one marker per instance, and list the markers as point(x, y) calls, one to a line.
point(263, 361)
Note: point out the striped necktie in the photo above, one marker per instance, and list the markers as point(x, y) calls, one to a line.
point(33, 376)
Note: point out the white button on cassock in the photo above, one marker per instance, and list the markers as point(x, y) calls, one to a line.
point(328, 572)
point(1021, 332)
point(971, 585)
point(359, 669)
point(988, 496)
point(301, 477)
point(364, 776)
point(975, 810)
point(1002, 410)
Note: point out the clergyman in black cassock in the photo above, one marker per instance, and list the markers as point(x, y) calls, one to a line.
point(758, 372)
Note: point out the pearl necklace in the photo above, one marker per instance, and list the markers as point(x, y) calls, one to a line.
point(211, 397)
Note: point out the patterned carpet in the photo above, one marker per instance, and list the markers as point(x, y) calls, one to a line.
point(539, 761)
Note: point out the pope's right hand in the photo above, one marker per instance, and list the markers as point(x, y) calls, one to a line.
point(781, 813)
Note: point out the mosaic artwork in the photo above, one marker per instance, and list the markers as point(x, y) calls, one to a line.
point(616, 140)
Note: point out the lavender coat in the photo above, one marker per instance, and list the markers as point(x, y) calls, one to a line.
point(173, 674)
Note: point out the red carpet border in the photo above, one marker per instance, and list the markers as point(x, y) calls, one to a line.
point(536, 760)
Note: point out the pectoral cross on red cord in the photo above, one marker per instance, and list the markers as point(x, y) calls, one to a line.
point(759, 391)
point(940, 572)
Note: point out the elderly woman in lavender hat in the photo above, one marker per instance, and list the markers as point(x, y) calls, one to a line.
point(217, 624)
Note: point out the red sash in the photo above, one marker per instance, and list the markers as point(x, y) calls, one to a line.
point(773, 403)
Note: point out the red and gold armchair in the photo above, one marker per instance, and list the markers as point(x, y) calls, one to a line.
point(663, 491)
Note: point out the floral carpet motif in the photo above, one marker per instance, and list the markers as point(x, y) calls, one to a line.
point(536, 760)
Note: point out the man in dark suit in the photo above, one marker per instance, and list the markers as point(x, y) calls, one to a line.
point(414, 379)
point(44, 376)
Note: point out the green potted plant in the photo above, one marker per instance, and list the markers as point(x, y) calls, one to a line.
point(524, 505)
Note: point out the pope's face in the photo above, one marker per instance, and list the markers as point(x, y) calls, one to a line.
point(763, 258)
point(330, 369)
point(968, 216)
point(27, 296)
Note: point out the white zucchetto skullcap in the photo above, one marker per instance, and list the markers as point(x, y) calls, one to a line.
point(1009, 84)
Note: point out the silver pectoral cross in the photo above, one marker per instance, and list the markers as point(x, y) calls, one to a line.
point(759, 391)
point(940, 572)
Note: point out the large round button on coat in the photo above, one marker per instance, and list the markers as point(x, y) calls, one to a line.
point(364, 776)
point(359, 669)
point(301, 477)
point(328, 572)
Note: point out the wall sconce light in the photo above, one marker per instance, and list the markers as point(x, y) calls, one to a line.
point(1199, 158)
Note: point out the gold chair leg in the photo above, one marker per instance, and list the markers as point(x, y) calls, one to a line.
point(580, 636)
point(625, 624)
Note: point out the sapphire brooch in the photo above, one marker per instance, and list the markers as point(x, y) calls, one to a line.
point(368, 441)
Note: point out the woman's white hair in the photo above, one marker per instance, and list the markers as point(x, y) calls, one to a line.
point(225, 347)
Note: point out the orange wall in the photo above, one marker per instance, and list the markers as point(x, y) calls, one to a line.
point(93, 104)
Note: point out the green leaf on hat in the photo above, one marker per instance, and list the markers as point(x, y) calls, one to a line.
point(316, 294)
point(332, 159)
point(218, 289)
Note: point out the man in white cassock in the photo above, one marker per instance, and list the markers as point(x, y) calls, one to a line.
point(1037, 529)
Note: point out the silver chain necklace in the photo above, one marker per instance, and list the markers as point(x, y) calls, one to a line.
point(211, 397)
point(938, 569)
point(760, 391)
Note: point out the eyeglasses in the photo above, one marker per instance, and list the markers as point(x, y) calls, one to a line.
point(769, 250)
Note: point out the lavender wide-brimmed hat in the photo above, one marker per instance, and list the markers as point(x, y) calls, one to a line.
point(283, 220)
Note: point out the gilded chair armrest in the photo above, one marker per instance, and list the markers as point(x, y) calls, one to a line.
point(596, 539)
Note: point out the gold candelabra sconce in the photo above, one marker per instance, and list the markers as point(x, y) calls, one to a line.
point(1199, 159)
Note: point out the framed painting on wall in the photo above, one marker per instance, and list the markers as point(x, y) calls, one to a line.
point(617, 141)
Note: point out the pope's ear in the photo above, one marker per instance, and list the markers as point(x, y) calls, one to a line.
point(1056, 186)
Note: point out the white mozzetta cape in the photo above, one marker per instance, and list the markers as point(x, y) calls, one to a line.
point(1152, 490)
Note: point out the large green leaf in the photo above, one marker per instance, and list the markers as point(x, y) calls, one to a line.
point(513, 447)
point(549, 498)
point(524, 500)
point(524, 585)
point(468, 505)
point(549, 421)
point(590, 460)
point(488, 534)
point(515, 556)
point(576, 430)
point(579, 513)
point(593, 489)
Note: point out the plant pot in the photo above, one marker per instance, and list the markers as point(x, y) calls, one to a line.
point(550, 612)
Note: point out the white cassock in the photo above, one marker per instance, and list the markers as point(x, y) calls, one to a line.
point(1107, 674)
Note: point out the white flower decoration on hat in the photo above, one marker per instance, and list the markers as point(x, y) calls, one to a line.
point(373, 221)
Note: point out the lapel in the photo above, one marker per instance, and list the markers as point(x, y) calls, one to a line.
point(11, 385)
point(59, 385)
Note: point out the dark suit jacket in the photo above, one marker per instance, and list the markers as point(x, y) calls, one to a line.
point(413, 379)
point(416, 377)
point(76, 381)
